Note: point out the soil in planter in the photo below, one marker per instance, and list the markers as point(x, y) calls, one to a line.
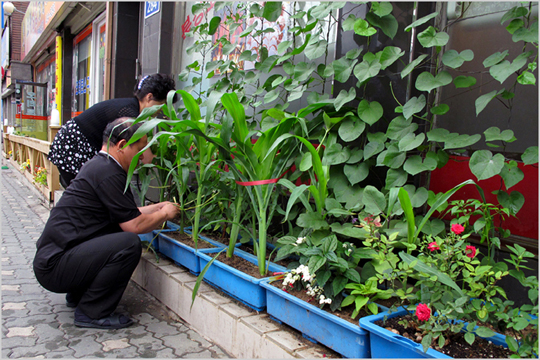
point(456, 346)
point(242, 265)
point(344, 313)
point(187, 240)
point(249, 249)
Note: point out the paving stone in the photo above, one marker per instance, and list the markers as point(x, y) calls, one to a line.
point(160, 329)
point(115, 344)
point(20, 331)
point(13, 306)
point(39, 350)
point(195, 336)
point(65, 354)
point(13, 342)
point(51, 335)
point(10, 322)
point(206, 354)
point(181, 344)
point(219, 353)
point(85, 346)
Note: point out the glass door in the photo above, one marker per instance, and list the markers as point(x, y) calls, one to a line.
point(99, 35)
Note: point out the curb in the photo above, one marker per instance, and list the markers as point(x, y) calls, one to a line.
point(238, 330)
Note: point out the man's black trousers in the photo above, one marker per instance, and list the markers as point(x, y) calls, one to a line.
point(96, 271)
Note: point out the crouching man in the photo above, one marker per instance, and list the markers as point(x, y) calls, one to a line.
point(89, 248)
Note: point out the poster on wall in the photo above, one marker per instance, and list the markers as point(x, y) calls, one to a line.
point(38, 15)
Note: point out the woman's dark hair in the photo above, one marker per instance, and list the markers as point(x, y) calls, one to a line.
point(158, 85)
point(120, 129)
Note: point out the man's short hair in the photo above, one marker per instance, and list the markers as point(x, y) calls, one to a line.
point(120, 129)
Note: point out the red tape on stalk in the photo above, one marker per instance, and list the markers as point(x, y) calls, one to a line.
point(259, 182)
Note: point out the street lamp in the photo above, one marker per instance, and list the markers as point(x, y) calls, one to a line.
point(9, 8)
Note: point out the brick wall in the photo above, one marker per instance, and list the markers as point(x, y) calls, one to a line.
point(16, 20)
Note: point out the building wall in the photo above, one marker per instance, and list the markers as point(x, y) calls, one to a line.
point(15, 29)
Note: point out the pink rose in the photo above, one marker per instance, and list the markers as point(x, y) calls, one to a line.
point(423, 312)
point(433, 246)
point(470, 251)
point(457, 228)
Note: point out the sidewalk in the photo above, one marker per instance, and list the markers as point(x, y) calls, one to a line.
point(37, 324)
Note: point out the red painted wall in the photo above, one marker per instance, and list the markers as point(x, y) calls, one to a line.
point(457, 170)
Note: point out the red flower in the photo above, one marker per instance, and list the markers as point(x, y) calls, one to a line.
point(457, 228)
point(470, 251)
point(433, 246)
point(423, 312)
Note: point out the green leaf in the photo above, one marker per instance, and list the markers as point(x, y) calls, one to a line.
point(316, 49)
point(362, 28)
point(356, 173)
point(455, 141)
point(503, 70)
point(421, 21)
point(469, 338)
point(433, 227)
point(388, 24)
point(422, 267)
point(485, 332)
point(511, 175)
point(414, 165)
point(515, 12)
point(527, 35)
point(214, 24)
point(430, 37)
point(428, 82)
point(495, 59)
point(271, 96)
point(400, 127)
point(484, 165)
point(440, 109)
point(515, 25)
point(348, 24)
point(495, 134)
point(526, 78)
point(453, 59)
point(315, 263)
point(389, 55)
point(303, 71)
point(462, 81)
point(370, 112)
point(410, 67)
point(514, 201)
point(334, 155)
point(349, 230)
point(339, 284)
point(351, 128)
point(272, 10)
point(414, 105)
point(411, 141)
point(530, 156)
point(366, 70)
point(484, 100)
point(374, 200)
point(372, 148)
point(381, 8)
point(344, 97)
point(312, 220)
point(343, 68)
point(395, 178)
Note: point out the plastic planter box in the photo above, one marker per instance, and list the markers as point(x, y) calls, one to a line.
point(340, 335)
point(385, 344)
point(182, 254)
point(148, 238)
point(243, 287)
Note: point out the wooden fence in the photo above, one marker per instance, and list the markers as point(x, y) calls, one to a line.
point(22, 149)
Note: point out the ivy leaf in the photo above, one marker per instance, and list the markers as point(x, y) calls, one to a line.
point(381, 9)
point(526, 78)
point(511, 175)
point(462, 81)
point(303, 71)
point(272, 10)
point(413, 106)
point(316, 49)
point(388, 24)
point(344, 97)
point(433, 227)
point(334, 155)
point(411, 141)
point(483, 100)
point(515, 25)
point(428, 82)
point(430, 37)
point(370, 112)
point(527, 35)
point(372, 148)
point(453, 59)
point(366, 70)
point(374, 200)
point(440, 109)
point(455, 141)
point(350, 129)
point(389, 55)
point(410, 67)
point(312, 220)
point(400, 127)
point(343, 68)
point(484, 165)
point(514, 202)
point(356, 173)
point(348, 24)
point(354, 53)
point(283, 46)
point(495, 58)
point(271, 96)
point(395, 178)
point(503, 70)
point(362, 28)
point(414, 164)
point(530, 156)
point(495, 134)
point(515, 12)
point(421, 21)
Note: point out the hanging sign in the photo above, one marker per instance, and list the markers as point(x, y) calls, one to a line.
point(150, 8)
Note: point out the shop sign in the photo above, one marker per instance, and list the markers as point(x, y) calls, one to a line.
point(38, 15)
point(150, 8)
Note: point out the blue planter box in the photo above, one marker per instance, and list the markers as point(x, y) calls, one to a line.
point(149, 237)
point(340, 335)
point(237, 284)
point(182, 254)
point(385, 344)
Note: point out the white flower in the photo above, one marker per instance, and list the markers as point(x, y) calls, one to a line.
point(300, 240)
